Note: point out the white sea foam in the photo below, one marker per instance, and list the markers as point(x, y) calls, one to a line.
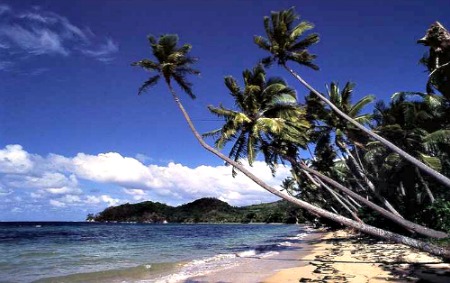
point(268, 254)
point(204, 266)
point(298, 236)
point(248, 253)
point(285, 244)
point(200, 267)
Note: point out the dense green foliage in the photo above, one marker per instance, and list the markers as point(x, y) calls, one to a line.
point(418, 123)
point(389, 168)
point(204, 210)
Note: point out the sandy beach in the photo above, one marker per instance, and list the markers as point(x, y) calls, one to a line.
point(339, 256)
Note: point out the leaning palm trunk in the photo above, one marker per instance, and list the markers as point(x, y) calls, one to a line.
point(426, 187)
point(438, 176)
point(377, 232)
point(360, 172)
point(337, 197)
point(399, 220)
point(411, 226)
point(341, 202)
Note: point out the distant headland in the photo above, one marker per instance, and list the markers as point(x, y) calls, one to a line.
point(204, 210)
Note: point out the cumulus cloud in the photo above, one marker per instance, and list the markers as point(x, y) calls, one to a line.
point(39, 32)
point(142, 157)
point(61, 181)
point(137, 194)
point(103, 198)
point(57, 203)
point(14, 160)
point(174, 180)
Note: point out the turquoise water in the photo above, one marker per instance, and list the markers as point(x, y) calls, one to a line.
point(95, 252)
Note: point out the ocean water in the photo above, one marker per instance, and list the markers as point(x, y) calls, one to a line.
point(108, 252)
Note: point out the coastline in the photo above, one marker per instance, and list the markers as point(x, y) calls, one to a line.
point(338, 256)
point(257, 269)
point(342, 256)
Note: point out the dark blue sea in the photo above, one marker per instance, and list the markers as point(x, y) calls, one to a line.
point(97, 252)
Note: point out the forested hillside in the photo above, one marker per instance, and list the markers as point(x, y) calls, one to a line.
point(204, 210)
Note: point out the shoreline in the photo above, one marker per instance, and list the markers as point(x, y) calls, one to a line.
point(257, 269)
point(338, 256)
point(343, 256)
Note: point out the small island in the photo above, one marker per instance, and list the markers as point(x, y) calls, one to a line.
point(204, 210)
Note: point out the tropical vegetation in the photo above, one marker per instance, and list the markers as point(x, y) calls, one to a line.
point(387, 170)
point(204, 210)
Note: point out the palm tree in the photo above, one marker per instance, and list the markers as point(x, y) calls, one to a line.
point(269, 119)
point(268, 108)
point(284, 44)
point(169, 58)
point(438, 59)
point(406, 122)
point(345, 133)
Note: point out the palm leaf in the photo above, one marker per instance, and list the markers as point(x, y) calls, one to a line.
point(431, 161)
point(306, 42)
point(149, 83)
point(146, 64)
point(433, 140)
point(262, 42)
point(300, 29)
point(357, 107)
point(184, 84)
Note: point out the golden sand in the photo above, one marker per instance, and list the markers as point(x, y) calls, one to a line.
point(343, 257)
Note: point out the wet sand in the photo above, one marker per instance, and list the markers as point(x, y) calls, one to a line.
point(256, 269)
point(338, 256)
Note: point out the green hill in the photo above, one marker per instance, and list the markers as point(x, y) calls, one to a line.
point(204, 210)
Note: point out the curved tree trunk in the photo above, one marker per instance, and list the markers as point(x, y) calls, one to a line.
point(438, 176)
point(399, 220)
point(334, 195)
point(411, 226)
point(370, 185)
point(426, 187)
point(377, 232)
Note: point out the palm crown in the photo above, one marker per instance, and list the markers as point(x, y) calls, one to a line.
point(342, 100)
point(172, 62)
point(267, 110)
point(283, 39)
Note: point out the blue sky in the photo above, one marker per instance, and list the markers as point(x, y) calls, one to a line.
point(75, 137)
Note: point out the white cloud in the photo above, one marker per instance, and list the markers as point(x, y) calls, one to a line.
point(176, 180)
point(46, 180)
point(37, 195)
point(40, 32)
point(111, 168)
point(4, 9)
point(103, 52)
point(63, 190)
point(134, 192)
point(4, 192)
point(137, 194)
point(70, 199)
point(16, 210)
point(13, 159)
point(6, 65)
point(103, 198)
point(142, 157)
point(35, 41)
point(57, 203)
point(61, 181)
